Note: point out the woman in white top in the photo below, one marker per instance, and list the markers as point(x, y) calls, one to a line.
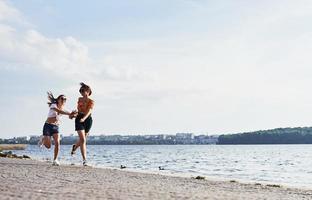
point(51, 125)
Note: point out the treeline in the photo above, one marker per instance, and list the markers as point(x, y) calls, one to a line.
point(299, 135)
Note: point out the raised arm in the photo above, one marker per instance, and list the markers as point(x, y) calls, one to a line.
point(61, 111)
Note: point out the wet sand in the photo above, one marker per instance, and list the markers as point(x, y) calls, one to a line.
point(31, 179)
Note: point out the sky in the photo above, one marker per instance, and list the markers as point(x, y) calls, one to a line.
point(157, 67)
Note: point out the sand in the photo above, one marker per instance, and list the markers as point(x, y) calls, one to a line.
point(12, 147)
point(31, 179)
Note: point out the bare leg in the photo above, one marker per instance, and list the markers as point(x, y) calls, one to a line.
point(83, 141)
point(78, 143)
point(56, 139)
point(46, 141)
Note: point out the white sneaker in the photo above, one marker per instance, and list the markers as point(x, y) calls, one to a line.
point(85, 163)
point(56, 163)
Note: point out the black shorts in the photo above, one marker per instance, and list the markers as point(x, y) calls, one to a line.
point(50, 129)
point(86, 125)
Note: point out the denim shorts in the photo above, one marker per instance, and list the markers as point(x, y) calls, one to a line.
point(50, 129)
point(86, 125)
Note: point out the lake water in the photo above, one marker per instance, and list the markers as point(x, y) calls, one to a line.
point(283, 164)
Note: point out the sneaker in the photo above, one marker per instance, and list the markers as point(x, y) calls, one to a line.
point(84, 163)
point(73, 151)
point(56, 163)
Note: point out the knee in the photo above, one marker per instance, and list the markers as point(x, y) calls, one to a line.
point(83, 140)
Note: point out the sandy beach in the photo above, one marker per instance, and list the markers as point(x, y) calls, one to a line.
point(31, 179)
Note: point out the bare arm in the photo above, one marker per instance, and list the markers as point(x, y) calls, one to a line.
point(61, 111)
point(86, 115)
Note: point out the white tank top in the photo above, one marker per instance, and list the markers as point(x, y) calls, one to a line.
point(52, 112)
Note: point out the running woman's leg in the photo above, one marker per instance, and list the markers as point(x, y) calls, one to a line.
point(77, 144)
point(83, 142)
point(56, 139)
point(46, 141)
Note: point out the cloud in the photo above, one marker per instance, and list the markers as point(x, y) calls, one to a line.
point(63, 56)
point(8, 13)
point(21, 46)
point(67, 58)
point(29, 48)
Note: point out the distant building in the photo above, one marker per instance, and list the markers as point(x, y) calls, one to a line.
point(25, 138)
point(34, 139)
point(205, 139)
point(184, 138)
point(71, 139)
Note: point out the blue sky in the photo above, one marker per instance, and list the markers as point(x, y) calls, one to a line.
point(158, 66)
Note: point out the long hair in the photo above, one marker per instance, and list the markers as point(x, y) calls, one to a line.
point(85, 87)
point(52, 99)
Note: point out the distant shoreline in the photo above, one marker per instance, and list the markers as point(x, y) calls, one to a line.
point(296, 135)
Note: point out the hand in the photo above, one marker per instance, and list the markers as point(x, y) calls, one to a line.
point(73, 114)
point(82, 120)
